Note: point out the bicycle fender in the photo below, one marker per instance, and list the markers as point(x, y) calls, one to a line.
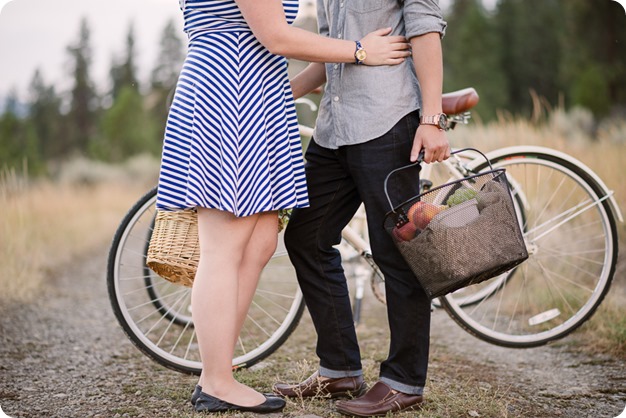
point(557, 154)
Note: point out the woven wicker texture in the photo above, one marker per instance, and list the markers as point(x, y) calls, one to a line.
point(459, 234)
point(174, 249)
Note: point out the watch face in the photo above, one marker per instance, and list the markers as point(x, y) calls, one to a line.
point(360, 54)
point(443, 121)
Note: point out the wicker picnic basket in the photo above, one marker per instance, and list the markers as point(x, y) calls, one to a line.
point(458, 234)
point(174, 249)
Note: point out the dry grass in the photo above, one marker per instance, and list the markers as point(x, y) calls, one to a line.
point(45, 225)
point(605, 332)
point(605, 155)
point(456, 387)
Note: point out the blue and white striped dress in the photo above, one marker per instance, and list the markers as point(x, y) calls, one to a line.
point(231, 139)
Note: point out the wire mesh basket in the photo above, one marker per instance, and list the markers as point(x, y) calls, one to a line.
point(458, 234)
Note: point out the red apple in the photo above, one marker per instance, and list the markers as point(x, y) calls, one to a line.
point(421, 213)
point(406, 232)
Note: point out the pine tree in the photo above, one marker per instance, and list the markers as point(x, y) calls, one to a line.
point(165, 73)
point(594, 65)
point(126, 129)
point(18, 142)
point(471, 56)
point(170, 58)
point(124, 71)
point(84, 100)
point(46, 118)
point(532, 33)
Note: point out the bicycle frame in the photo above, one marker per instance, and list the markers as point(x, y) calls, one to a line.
point(573, 244)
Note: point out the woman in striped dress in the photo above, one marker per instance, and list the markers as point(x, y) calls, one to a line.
point(232, 150)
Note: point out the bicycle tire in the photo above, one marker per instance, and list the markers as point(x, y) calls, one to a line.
point(571, 231)
point(155, 286)
point(155, 314)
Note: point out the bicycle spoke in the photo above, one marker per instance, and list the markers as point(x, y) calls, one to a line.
point(179, 339)
point(568, 215)
point(276, 304)
point(569, 234)
point(269, 315)
point(132, 278)
point(179, 300)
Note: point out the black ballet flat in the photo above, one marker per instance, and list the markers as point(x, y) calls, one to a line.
point(208, 403)
point(196, 394)
point(198, 390)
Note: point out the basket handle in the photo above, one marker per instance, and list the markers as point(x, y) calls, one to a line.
point(420, 159)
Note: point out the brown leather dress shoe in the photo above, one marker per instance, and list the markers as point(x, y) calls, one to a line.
point(316, 385)
point(378, 401)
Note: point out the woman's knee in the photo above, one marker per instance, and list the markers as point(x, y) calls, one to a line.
point(268, 249)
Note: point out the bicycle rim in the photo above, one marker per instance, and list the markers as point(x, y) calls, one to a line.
point(572, 240)
point(156, 314)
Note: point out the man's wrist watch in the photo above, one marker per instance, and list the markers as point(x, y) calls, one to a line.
point(359, 53)
point(440, 120)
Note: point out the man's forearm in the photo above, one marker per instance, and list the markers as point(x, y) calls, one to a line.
point(313, 76)
point(428, 60)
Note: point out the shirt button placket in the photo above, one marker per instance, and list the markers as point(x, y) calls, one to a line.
point(337, 74)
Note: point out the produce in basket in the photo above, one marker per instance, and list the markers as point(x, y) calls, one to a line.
point(421, 213)
point(461, 195)
point(283, 219)
point(405, 232)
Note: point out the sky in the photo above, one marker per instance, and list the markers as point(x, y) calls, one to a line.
point(35, 34)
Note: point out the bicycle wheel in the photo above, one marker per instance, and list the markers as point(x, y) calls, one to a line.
point(570, 231)
point(156, 314)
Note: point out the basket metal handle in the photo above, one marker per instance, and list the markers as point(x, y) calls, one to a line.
point(420, 159)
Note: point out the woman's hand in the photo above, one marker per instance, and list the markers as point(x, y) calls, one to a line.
point(383, 49)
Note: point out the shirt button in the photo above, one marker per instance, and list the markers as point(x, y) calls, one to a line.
point(339, 36)
point(336, 98)
point(336, 66)
point(341, 4)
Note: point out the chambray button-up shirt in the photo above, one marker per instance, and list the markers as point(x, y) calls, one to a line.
point(360, 102)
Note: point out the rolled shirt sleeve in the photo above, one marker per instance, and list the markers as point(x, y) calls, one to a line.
point(322, 20)
point(361, 102)
point(422, 17)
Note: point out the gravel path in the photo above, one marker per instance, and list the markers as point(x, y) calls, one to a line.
point(555, 380)
point(66, 356)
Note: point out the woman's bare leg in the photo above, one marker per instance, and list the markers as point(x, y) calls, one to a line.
point(258, 252)
point(215, 301)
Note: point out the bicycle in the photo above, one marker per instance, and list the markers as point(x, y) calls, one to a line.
point(567, 215)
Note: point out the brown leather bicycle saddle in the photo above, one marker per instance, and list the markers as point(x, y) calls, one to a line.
point(459, 101)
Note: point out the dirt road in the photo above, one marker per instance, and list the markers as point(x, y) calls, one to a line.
point(66, 356)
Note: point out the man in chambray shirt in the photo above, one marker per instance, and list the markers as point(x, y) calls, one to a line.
point(371, 121)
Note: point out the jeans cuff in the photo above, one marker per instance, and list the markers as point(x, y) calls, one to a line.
point(336, 374)
point(401, 387)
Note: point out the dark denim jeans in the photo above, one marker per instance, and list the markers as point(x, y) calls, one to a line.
point(338, 181)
